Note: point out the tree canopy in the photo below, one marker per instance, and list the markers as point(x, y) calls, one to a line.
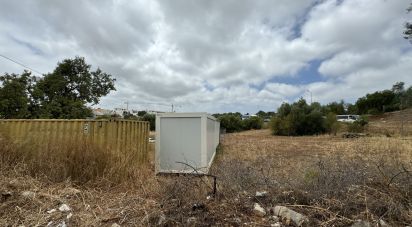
point(15, 95)
point(64, 93)
point(298, 118)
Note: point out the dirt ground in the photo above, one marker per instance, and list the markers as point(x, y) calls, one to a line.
point(331, 180)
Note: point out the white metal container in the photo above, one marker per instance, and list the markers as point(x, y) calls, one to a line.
point(185, 142)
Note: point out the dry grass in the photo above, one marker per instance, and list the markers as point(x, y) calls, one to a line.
point(79, 161)
point(367, 178)
point(393, 123)
point(332, 180)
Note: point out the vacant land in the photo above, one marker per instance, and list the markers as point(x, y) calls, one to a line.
point(393, 123)
point(333, 181)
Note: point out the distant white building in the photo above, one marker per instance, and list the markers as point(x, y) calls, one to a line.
point(120, 111)
point(247, 116)
point(154, 111)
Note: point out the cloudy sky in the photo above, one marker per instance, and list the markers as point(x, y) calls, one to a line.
point(215, 55)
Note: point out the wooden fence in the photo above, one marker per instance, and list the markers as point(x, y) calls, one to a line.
point(124, 137)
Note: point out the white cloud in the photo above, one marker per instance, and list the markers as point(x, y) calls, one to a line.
point(347, 62)
point(215, 55)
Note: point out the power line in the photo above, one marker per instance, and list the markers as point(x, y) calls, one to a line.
point(174, 106)
point(24, 66)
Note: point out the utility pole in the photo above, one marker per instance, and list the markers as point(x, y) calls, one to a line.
point(174, 107)
point(127, 105)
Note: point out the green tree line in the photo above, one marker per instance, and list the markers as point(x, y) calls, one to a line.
point(233, 122)
point(301, 118)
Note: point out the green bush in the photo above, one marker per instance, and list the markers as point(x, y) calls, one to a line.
point(359, 125)
point(151, 118)
point(297, 119)
point(331, 124)
point(374, 111)
point(278, 126)
point(231, 122)
point(252, 123)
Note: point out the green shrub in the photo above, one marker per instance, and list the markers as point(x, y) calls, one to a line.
point(231, 122)
point(252, 123)
point(151, 118)
point(278, 126)
point(374, 111)
point(331, 124)
point(359, 125)
point(298, 119)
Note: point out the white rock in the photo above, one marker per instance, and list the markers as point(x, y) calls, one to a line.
point(258, 210)
point(51, 211)
point(191, 221)
point(62, 224)
point(69, 215)
point(290, 215)
point(261, 194)
point(28, 194)
point(64, 208)
point(277, 224)
point(383, 223)
point(115, 225)
point(162, 219)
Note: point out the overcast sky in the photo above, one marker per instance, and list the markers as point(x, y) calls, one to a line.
point(216, 56)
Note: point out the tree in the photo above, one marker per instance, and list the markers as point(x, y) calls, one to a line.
point(335, 107)
point(283, 110)
point(316, 106)
point(151, 118)
point(265, 115)
point(252, 123)
point(298, 118)
point(377, 102)
point(261, 114)
point(400, 95)
point(408, 27)
point(141, 113)
point(15, 95)
point(408, 97)
point(66, 91)
point(331, 124)
point(232, 122)
point(398, 87)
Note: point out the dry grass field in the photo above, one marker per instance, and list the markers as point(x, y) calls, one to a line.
point(394, 123)
point(331, 180)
